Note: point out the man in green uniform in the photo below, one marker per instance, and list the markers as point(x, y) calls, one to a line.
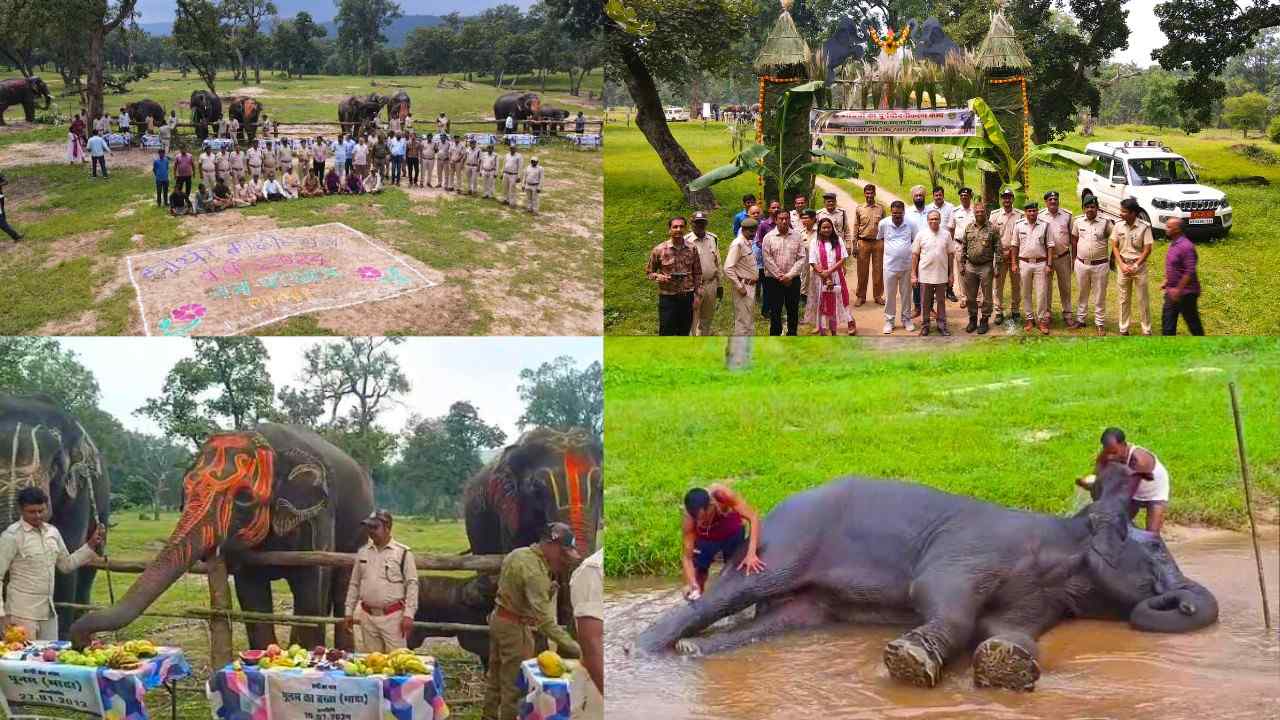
point(980, 245)
point(526, 602)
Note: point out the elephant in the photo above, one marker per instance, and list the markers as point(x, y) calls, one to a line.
point(356, 114)
point(521, 106)
point(961, 571)
point(545, 476)
point(929, 42)
point(47, 447)
point(274, 487)
point(206, 108)
point(398, 106)
point(246, 111)
point(141, 110)
point(848, 42)
point(23, 91)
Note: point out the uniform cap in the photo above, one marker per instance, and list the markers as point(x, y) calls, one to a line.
point(376, 517)
point(1007, 192)
point(1031, 206)
point(749, 223)
point(828, 195)
point(1051, 194)
point(562, 535)
point(1090, 200)
point(533, 159)
point(699, 215)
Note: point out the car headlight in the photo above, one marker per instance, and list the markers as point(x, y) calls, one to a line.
point(1162, 204)
point(1223, 202)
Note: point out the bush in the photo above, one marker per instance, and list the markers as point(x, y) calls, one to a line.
point(1273, 130)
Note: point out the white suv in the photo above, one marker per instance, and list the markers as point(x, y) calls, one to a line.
point(1160, 180)
point(677, 114)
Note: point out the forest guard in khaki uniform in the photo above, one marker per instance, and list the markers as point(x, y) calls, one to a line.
point(526, 602)
point(31, 551)
point(383, 595)
point(511, 166)
point(473, 166)
point(532, 185)
point(707, 245)
point(1004, 219)
point(456, 158)
point(1033, 246)
point(488, 169)
point(429, 150)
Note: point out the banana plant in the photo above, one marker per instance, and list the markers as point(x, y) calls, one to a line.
point(989, 151)
point(768, 161)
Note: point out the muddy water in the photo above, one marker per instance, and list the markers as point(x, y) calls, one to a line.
point(1090, 669)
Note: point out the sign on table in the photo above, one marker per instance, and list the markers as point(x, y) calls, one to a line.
point(306, 697)
point(101, 691)
point(911, 123)
point(64, 686)
point(231, 284)
point(312, 694)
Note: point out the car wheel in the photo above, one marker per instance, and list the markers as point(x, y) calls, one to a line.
point(1155, 231)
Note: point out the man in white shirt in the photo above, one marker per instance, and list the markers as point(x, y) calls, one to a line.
point(896, 232)
point(708, 247)
point(31, 550)
point(586, 591)
point(931, 253)
point(917, 215)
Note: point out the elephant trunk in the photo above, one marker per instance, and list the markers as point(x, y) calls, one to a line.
point(1183, 609)
point(179, 554)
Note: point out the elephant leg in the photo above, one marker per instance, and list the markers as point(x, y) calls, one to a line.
point(794, 612)
point(949, 606)
point(1008, 656)
point(339, 580)
point(254, 595)
point(310, 598)
point(65, 590)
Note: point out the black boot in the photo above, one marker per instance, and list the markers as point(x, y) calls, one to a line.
point(983, 327)
point(973, 323)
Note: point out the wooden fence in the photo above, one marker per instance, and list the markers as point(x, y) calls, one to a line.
point(220, 613)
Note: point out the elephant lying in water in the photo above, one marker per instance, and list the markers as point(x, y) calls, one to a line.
point(963, 572)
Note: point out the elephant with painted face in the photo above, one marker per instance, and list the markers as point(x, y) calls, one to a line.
point(276, 487)
point(546, 476)
point(23, 91)
point(141, 110)
point(206, 109)
point(246, 111)
point(962, 573)
point(521, 106)
point(398, 106)
point(41, 445)
point(358, 114)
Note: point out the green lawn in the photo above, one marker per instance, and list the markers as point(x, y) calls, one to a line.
point(135, 538)
point(1012, 423)
point(79, 229)
point(1233, 272)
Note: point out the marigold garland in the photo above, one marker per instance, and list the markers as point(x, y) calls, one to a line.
point(1026, 125)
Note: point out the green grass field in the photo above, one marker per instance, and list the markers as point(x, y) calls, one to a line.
point(78, 229)
point(1011, 423)
point(1233, 272)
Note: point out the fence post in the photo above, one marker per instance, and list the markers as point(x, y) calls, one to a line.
point(219, 604)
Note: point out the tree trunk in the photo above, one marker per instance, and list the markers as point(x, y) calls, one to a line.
point(737, 353)
point(93, 80)
point(257, 70)
point(652, 122)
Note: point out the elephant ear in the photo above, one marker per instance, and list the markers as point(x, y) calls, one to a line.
point(1108, 531)
point(306, 480)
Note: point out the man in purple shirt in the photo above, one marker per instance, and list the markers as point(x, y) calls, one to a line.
point(1181, 284)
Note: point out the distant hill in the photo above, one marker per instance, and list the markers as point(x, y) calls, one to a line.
point(396, 34)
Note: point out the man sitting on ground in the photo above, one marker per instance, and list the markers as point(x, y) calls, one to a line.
point(374, 184)
point(333, 183)
point(291, 185)
point(354, 184)
point(246, 196)
point(272, 190)
point(179, 202)
point(311, 187)
point(203, 200)
point(222, 195)
point(713, 525)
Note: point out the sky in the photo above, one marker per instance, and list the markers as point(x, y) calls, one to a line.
point(441, 371)
point(162, 10)
point(1144, 33)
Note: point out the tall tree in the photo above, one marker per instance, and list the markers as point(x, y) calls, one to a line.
point(301, 406)
point(247, 15)
point(361, 27)
point(1203, 35)
point(34, 364)
point(156, 465)
point(1160, 104)
point(440, 454)
point(294, 46)
point(1246, 112)
point(201, 31)
point(557, 394)
point(19, 23)
point(100, 18)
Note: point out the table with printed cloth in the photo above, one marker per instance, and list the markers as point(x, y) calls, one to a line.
point(313, 694)
point(520, 139)
point(585, 140)
point(548, 698)
point(100, 691)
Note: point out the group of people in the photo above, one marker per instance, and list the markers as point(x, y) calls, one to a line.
point(382, 599)
point(718, 523)
point(916, 259)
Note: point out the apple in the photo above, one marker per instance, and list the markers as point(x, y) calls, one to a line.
point(49, 655)
point(335, 655)
point(274, 650)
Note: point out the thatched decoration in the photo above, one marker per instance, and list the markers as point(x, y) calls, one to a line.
point(784, 53)
point(783, 63)
point(1000, 49)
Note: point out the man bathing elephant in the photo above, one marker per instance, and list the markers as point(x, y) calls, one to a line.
point(713, 525)
point(961, 571)
point(23, 91)
point(1151, 489)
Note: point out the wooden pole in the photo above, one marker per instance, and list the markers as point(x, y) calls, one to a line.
point(1248, 504)
point(201, 614)
point(219, 612)
point(474, 563)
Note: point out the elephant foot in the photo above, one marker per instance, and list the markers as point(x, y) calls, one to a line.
point(913, 663)
point(1004, 664)
point(688, 648)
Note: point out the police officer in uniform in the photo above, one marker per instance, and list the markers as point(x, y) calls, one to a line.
point(532, 185)
point(707, 245)
point(473, 166)
point(511, 166)
point(526, 603)
point(1131, 241)
point(488, 169)
point(1004, 219)
point(1091, 236)
point(979, 248)
point(382, 597)
point(1061, 266)
point(1033, 247)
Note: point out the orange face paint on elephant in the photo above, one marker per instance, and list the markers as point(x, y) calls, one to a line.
point(209, 482)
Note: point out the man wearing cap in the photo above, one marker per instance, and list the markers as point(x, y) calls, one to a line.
point(532, 185)
point(1131, 242)
point(709, 292)
point(1030, 259)
point(980, 246)
point(1004, 219)
point(382, 597)
point(740, 268)
point(4, 222)
point(838, 217)
point(511, 167)
point(960, 219)
point(674, 264)
point(1061, 267)
point(526, 603)
point(1091, 235)
point(870, 249)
